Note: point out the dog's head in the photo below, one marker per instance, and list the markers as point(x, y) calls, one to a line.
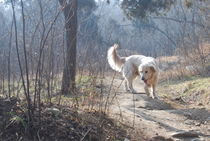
point(146, 72)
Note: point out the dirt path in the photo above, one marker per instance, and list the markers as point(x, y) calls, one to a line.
point(155, 117)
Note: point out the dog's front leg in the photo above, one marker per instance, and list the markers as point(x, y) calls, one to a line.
point(153, 92)
point(146, 90)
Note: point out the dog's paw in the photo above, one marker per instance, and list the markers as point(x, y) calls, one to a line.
point(151, 96)
point(127, 90)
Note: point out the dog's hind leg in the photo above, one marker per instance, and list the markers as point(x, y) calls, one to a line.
point(126, 85)
point(128, 75)
point(130, 84)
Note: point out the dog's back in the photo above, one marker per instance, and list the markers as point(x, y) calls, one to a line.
point(116, 62)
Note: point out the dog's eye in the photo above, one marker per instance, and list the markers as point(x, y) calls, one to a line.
point(146, 71)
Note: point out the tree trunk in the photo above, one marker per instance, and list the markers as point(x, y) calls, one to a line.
point(70, 14)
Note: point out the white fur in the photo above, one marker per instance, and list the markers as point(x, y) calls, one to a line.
point(117, 66)
point(133, 66)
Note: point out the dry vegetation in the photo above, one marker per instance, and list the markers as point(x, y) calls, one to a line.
point(191, 91)
point(77, 117)
point(185, 78)
point(34, 53)
point(195, 62)
point(82, 116)
point(57, 123)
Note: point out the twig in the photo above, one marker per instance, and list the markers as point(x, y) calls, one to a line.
point(85, 134)
point(134, 111)
point(38, 135)
point(107, 99)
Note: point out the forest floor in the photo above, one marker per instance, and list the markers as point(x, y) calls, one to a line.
point(58, 123)
point(181, 113)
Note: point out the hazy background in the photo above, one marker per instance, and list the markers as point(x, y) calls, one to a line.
point(184, 25)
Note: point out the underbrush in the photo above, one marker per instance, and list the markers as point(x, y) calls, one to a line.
point(57, 123)
point(76, 117)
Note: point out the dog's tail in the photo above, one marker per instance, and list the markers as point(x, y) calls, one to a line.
point(115, 61)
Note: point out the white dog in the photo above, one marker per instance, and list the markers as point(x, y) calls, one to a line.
point(133, 66)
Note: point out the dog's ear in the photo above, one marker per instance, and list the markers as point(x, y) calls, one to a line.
point(140, 68)
point(152, 68)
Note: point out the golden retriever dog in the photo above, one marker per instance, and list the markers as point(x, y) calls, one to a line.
point(133, 66)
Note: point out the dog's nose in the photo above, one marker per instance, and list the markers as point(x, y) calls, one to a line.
point(142, 78)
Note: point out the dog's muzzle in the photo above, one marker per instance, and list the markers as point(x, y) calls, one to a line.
point(145, 81)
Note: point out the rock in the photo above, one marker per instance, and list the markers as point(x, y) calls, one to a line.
point(198, 124)
point(208, 119)
point(198, 139)
point(200, 104)
point(160, 138)
point(126, 139)
point(55, 111)
point(189, 122)
point(186, 134)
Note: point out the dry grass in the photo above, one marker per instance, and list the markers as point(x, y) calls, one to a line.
point(191, 90)
point(168, 59)
point(191, 61)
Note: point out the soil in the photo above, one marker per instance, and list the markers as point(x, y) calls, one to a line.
point(158, 119)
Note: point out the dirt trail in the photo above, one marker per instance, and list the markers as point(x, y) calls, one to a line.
point(155, 117)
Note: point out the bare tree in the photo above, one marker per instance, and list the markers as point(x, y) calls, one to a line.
point(9, 61)
point(69, 73)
